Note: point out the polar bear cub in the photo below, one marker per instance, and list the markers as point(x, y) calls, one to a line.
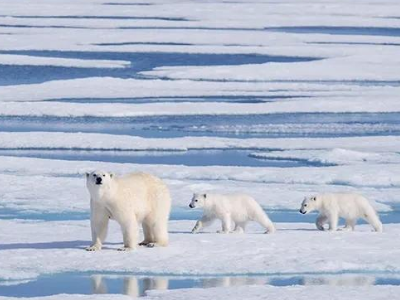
point(348, 206)
point(236, 208)
point(130, 200)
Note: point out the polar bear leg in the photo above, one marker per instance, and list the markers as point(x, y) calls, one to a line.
point(160, 233)
point(226, 224)
point(263, 219)
point(372, 218)
point(350, 224)
point(203, 222)
point(99, 225)
point(321, 221)
point(147, 232)
point(129, 234)
point(333, 220)
point(240, 227)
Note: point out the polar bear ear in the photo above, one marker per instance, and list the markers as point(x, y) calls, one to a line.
point(314, 198)
point(112, 175)
point(205, 196)
point(87, 174)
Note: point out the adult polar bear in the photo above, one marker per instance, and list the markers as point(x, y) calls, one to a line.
point(133, 199)
point(348, 206)
point(236, 208)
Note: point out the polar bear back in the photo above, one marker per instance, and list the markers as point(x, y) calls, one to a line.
point(348, 205)
point(241, 207)
point(144, 193)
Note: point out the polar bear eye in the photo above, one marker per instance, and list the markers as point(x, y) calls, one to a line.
point(196, 200)
point(305, 205)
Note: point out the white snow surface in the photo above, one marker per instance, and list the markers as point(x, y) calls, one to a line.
point(323, 105)
point(93, 141)
point(248, 292)
point(350, 62)
point(253, 253)
point(74, 296)
point(334, 156)
point(108, 87)
point(26, 60)
point(346, 68)
point(274, 188)
point(282, 293)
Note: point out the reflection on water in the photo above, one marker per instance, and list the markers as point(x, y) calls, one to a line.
point(131, 285)
point(137, 286)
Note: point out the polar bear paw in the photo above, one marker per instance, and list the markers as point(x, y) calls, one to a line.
point(126, 249)
point(345, 229)
point(147, 244)
point(93, 248)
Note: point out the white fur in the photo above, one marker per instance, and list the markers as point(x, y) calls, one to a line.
point(130, 200)
point(348, 206)
point(231, 208)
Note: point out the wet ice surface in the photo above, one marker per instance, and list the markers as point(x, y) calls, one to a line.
point(339, 30)
point(138, 286)
point(241, 126)
point(11, 74)
point(186, 158)
point(280, 100)
point(179, 213)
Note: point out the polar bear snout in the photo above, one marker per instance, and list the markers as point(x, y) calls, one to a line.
point(99, 180)
point(197, 200)
point(302, 211)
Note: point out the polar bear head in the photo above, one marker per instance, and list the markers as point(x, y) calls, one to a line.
point(198, 200)
point(98, 179)
point(309, 204)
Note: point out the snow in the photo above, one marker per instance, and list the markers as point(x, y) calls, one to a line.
point(299, 58)
point(250, 292)
point(360, 67)
point(274, 188)
point(26, 60)
point(334, 156)
point(283, 293)
point(72, 297)
point(295, 128)
point(259, 254)
point(328, 105)
point(107, 87)
point(99, 141)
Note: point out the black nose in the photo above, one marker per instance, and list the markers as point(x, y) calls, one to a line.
point(98, 180)
point(190, 205)
point(303, 212)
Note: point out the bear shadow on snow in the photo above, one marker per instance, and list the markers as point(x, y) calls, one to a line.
point(47, 245)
